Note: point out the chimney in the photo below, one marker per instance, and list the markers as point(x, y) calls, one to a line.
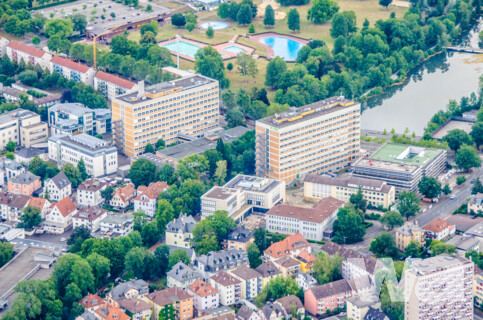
point(140, 89)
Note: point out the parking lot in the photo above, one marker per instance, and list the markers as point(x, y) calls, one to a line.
point(114, 13)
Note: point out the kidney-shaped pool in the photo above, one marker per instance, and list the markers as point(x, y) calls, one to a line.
point(283, 47)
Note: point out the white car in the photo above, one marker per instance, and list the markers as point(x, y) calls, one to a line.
point(452, 197)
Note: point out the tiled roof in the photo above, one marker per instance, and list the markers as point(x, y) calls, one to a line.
point(91, 185)
point(115, 80)
point(318, 214)
point(110, 312)
point(286, 262)
point(66, 206)
point(183, 223)
point(437, 225)
point(287, 245)
point(90, 213)
point(305, 256)
point(126, 193)
point(37, 202)
point(27, 49)
point(119, 292)
point(134, 305)
point(289, 301)
point(244, 313)
point(168, 296)
point(26, 177)
point(225, 279)
point(202, 289)
point(91, 300)
point(240, 234)
point(246, 273)
point(330, 289)
point(69, 64)
point(152, 191)
point(61, 180)
point(268, 269)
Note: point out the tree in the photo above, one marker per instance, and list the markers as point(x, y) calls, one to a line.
point(357, 199)
point(251, 28)
point(120, 45)
point(100, 269)
point(150, 233)
point(141, 172)
point(161, 254)
point(477, 133)
point(467, 157)
point(247, 66)
point(269, 19)
point(274, 108)
point(254, 255)
point(148, 38)
point(190, 26)
point(77, 238)
point(392, 219)
point(10, 146)
point(385, 3)
point(460, 180)
point(322, 11)
point(439, 247)
point(293, 20)
point(477, 186)
point(82, 169)
point(210, 32)
point(277, 288)
point(384, 246)
point(160, 144)
point(229, 66)
point(260, 237)
point(220, 172)
point(208, 234)
point(209, 63)
point(327, 269)
point(73, 174)
point(60, 27)
point(6, 252)
point(135, 261)
point(275, 68)
point(244, 15)
point(30, 217)
point(149, 148)
point(177, 256)
point(168, 312)
point(79, 22)
point(223, 10)
point(446, 189)
point(71, 268)
point(178, 20)
point(456, 138)
point(429, 187)
point(36, 40)
point(348, 227)
point(413, 250)
point(343, 24)
point(407, 204)
point(107, 194)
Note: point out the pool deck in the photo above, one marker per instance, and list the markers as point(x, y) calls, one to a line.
point(184, 56)
point(270, 54)
point(228, 25)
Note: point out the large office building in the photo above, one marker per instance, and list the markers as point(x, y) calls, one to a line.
point(401, 165)
point(320, 137)
point(22, 127)
point(440, 287)
point(74, 117)
point(377, 193)
point(99, 157)
point(187, 106)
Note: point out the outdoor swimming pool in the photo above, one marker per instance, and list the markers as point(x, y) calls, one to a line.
point(283, 47)
point(234, 49)
point(184, 48)
point(216, 25)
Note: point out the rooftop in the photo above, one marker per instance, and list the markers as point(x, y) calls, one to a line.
point(246, 273)
point(351, 182)
point(225, 279)
point(120, 82)
point(84, 141)
point(27, 49)
point(318, 214)
point(286, 246)
point(19, 114)
point(476, 230)
point(168, 296)
point(69, 64)
point(463, 242)
point(253, 183)
point(77, 109)
point(117, 219)
point(402, 153)
point(437, 225)
point(331, 289)
point(202, 289)
point(437, 263)
point(26, 177)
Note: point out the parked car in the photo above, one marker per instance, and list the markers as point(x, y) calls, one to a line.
point(452, 197)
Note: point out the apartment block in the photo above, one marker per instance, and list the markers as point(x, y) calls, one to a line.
point(18, 51)
point(377, 193)
point(251, 282)
point(291, 246)
point(90, 218)
point(22, 127)
point(66, 118)
point(112, 86)
point(439, 229)
point(187, 106)
point(401, 166)
point(99, 157)
point(89, 192)
point(3, 46)
point(204, 295)
point(478, 288)
point(229, 288)
point(408, 232)
point(320, 137)
point(440, 287)
point(178, 232)
point(72, 70)
point(329, 296)
point(176, 297)
point(243, 195)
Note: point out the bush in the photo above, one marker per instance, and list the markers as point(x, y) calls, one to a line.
point(251, 28)
point(460, 180)
point(229, 66)
point(368, 224)
point(372, 216)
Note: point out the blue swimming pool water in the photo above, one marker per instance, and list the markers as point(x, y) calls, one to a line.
point(234, 49)
point(216, 25)
point(283, 47)
point(184, 48)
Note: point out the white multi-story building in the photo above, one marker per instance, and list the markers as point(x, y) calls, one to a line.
point(89, 192)
point(112, 86)
point(90, 217)
point(72, 70)
point(58, 187)
point(3, 46)
point(99, 157)
point(71, 117)
point(146, 197)
point(250, 282)
point(228, 287)
point(439, 287)
point(117, 225)
point(310, 222)
point(59, 219)
point(204, 295)
point(22, 127)
point(18, 51)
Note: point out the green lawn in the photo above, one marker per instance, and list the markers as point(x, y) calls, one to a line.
point(200, 35)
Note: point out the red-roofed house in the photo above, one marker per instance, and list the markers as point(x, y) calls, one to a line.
point(18, 51)
point(290, 246)
point(43, 204)
point(109, 311)
point(112, 86)
point(204, 295)
point(72, 70)
point(439, 229)
point(3, 46)
point(123, 197)
point(91, 302)
point(148, 196)
point(59, 218)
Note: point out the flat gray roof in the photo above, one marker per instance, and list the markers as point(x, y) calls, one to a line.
point(252, 183)
point(84, 142)
point(77, 109)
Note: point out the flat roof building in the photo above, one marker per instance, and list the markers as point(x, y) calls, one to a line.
point(320, 137)
point(22, 127)
point(74, 117)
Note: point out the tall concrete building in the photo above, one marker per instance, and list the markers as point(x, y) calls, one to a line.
point(440, 287)
point(320, 137)
point(186, 106)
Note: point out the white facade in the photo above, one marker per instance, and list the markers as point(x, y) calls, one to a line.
point(19, 51)
point(56, 193)
point(90, 220)
point(120, 225)
point(72, 70)
point(58, 220)
point(228, 287)
point(111, 86)
point(146, 204)
point(3, 46)
point(89, 193)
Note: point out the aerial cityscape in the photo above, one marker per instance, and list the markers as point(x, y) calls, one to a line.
point(241, 159)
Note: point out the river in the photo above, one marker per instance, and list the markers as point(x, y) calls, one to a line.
point(427, 89)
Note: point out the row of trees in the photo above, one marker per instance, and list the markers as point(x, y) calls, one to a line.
point(242, 12)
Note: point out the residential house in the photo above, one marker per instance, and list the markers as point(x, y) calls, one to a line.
point(245, 313)
point(220, 313)
point(272, 311)
point(439, 229)
point(117, 225)
point(13, 169)
point(58, 187)
point(137, 308)
point(362, 286)
point(204, 295)
point(128, 290)
point(306, 260)
point(476, 203)
point(269, 271)
point(18, 51)
point(178, 231)
point(464, 244)
point(25, 183)
point(89, 192)
point(375, 314)
point(229, 288)
point(288, 266)
point(408, 232)
point(91, 302)
point(357, 307)
point(110, 312)
point(72, 70)
point(87, 315)
point(182, 276)
point(305, 281)
point(238, 238)
point(292, 245)
point(311, 223)
point(176, 297)
point(328, 296)
point(147, 197)
point(251, 282)
point(12, 206)
point(44, 205)
point(25, 155)
point(123, 197)
point(89, 217)
point(112, 86)
point(220, 260)
point(59, 219)
point(291, 303)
